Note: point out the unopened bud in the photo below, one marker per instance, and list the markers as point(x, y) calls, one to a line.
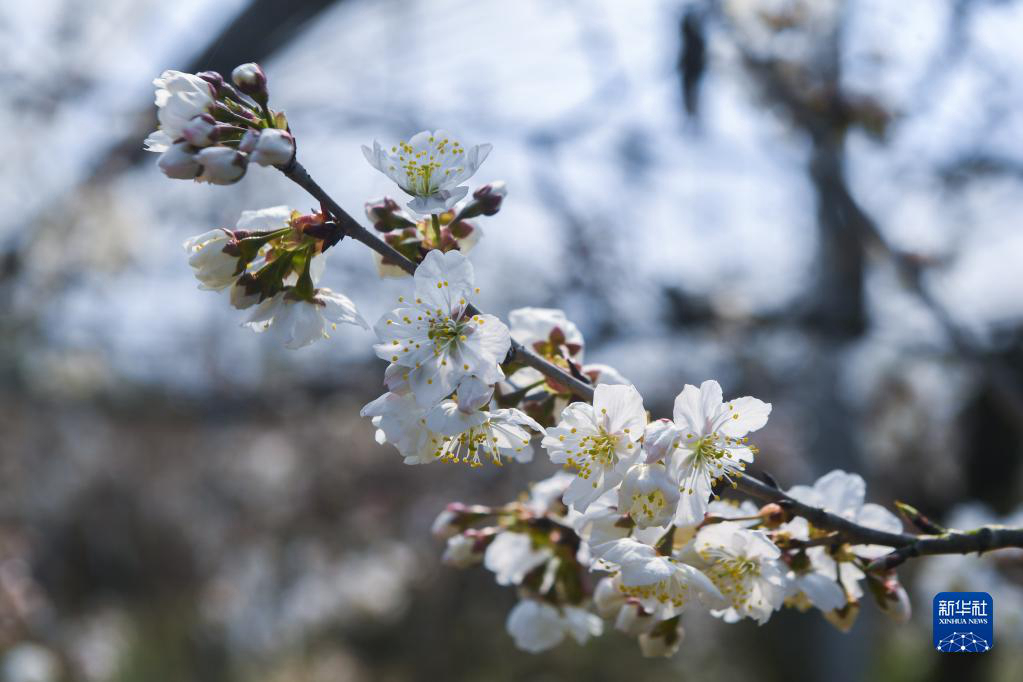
point(461, 229)
point(245, 292)
point(251, 80)
point(179, 162)
point(462, 551)
point(215, 80)
point(221, 165)
point(772, 515)
point(447, 524)
point(273, 148)
point(486, 200)
point(200, 131)
point(249, 141)
point(386, 215)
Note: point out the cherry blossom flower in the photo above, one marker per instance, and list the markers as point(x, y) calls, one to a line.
point(474, 435)
point(626, 612)
point(664, 585)
point(180, 97)
point(536, 626)
point(434, 338)
point(298, 321)
point(648, 495)
point(843, 494)
point(511, 556)
point(745, 566)
point(704, 443)
point(401, 422)
point(430, 167)
point(599, 441)
point(215, 267)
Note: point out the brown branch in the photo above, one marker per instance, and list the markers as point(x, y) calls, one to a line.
point(297, 173)
point(906, 545)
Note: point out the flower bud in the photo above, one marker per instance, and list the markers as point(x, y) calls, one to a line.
point(273, 148)
point(772, 515)
point(248, 141)
point(215, 80)
point(490, 197)
point(447, 524)
point(648, 495)
point(659, 440)
point(179, 162)
point(251, 80)
point(200, 131)
point(487, 200)
point(464, 550)
point(386, 215)
point(221, 165)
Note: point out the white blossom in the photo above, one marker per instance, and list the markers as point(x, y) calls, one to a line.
point(648, 495)
point(843, 494)
point(745, 566)
point(473, 435)
point(536, 626)
point(435, 339)
point(221, 165)
point(273, 148)
point(180, 97)
point(511, 556)
point(201, 131)
point(599, 441)
point(298, 322)
point(531, 326)
point(214, 267)
point(707, 443)
point(429, 167)
point(661, 643)
point(664, 585)
point(179, 161)
point(401, 422)
point(626, 612)
point(462, 551)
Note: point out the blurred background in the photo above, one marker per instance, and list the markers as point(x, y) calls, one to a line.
point(815, 202)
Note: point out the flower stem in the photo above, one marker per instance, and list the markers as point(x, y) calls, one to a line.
point(436, 229)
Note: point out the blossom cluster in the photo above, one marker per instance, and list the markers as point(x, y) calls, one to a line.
point(210, 129)
point(632, 529)
point(576, 571)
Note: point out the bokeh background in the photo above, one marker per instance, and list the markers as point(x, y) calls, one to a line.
point(816, 202)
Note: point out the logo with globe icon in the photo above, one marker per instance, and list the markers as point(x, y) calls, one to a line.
point(964, 622)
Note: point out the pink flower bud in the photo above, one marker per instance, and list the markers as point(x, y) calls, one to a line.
point(200, 131)
point(249, 140)
point(386, 215)
point(221, 165)
point(251, 80)
point(215, 80)
point(273, 148)
point(179, 162)
point(490, 197)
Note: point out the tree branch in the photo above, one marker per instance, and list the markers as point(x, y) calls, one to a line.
point(906, 545)
point(297, 173)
